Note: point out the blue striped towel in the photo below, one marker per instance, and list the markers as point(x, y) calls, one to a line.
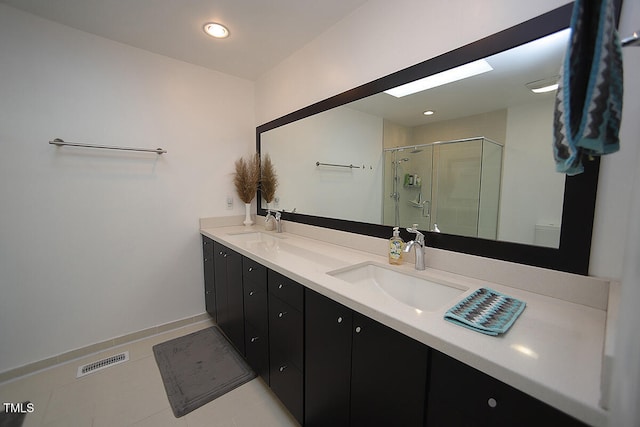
point(486, 311)
point(588, 107)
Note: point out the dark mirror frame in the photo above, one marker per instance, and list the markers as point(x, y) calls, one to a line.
point(580, 190)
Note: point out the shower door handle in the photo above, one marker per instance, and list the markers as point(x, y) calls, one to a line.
point(426, 209)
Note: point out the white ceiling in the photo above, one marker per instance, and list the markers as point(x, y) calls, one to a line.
point(263, 32)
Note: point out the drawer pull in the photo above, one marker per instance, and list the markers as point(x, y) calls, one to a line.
point(340, 319)
point(255, 339)
point(358, 329)
point(281, 314)
point(492, 402)
point(282, 368)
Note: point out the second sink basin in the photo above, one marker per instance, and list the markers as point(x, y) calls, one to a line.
point(412, 290)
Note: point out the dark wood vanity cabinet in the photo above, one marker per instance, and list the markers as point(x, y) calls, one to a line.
point(359, 372)
point(286, 349)
point(463, 396)
point(256, 316)
point(332, 366)
point(229, 294)
point(209, 284)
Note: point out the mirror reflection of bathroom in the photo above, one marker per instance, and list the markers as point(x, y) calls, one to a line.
point(446, 186)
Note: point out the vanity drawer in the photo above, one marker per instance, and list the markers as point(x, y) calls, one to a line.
point(285, 332)
point(256, 304)
point(257, 350)
point(286, 289)
point(286, 381)
point(253, 271)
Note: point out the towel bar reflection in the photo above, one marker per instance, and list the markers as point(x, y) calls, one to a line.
point(59, 142)
point(633, 40)
point(337, 166)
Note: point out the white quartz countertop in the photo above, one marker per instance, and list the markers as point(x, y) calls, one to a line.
point(553, 352)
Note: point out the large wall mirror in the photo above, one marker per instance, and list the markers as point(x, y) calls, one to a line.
point(469, 159)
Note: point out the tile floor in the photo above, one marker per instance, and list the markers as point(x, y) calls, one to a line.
point(132, 394)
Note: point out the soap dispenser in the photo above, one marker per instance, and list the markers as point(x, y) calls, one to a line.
point(396, 245)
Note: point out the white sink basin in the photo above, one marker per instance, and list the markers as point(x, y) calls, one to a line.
point(255, 236)
point(412, 290)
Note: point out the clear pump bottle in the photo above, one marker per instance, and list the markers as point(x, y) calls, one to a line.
point(396, 245)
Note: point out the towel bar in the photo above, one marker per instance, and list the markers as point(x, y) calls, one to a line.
point(59, 142)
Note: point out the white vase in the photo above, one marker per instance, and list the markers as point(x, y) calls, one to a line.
point(247, 215)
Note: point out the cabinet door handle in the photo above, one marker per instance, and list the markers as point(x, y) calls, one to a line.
point(206, 259)
point(255, 339)
point(282, 368)
point(281, 314)
point(250, 269)
point(251, 293)
point(492, 402)
point(280, 286)
point(358, 329)
point(340, 319)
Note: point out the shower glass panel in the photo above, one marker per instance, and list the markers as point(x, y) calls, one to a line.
point(452, 187)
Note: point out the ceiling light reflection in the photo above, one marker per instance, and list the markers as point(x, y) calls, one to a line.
point(525, 350)
point(458, 73)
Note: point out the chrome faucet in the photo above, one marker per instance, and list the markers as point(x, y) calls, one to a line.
point(276, 218)
point(419, 244)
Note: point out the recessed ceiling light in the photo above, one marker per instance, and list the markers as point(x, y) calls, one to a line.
point(216, 30)
point(458, 73)
point(428, 113)
point(545, 85)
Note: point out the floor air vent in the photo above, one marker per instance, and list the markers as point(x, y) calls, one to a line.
point(101, 364)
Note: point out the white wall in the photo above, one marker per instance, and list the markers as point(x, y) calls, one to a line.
point(532, 192)
point(96, 244)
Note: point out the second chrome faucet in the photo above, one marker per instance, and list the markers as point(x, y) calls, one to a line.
point(419, 245)
point(276, 219)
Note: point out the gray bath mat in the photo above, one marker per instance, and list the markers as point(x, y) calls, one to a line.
point(13, 419)
point(198, 368)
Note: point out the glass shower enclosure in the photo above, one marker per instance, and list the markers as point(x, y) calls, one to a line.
point(447, 186)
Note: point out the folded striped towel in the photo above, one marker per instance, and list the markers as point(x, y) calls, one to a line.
point(486, 311)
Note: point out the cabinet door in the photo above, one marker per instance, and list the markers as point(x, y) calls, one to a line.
point(257, 350)
point(327, 361)
point(286, 332)
point(228, 292)
point(388, 376)
point(235, 301)
point(220, 254)
point(209, 284)
point(463, 396)
point(254, 283)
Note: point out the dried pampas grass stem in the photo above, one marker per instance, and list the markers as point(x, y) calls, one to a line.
point(247, 178)
point(269, 181)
